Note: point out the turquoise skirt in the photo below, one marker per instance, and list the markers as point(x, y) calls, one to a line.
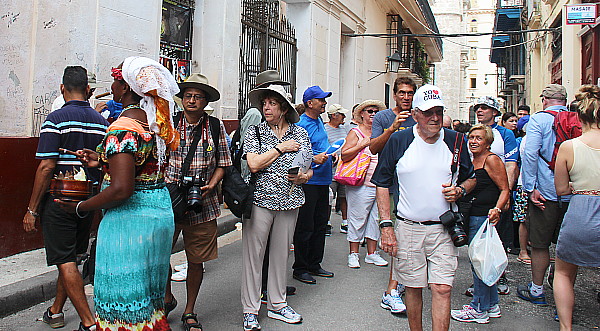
point(132, 262)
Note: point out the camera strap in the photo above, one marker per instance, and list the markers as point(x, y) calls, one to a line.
point(456, 151)
point(192, 151)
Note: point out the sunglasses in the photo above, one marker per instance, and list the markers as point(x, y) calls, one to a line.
point(371, 111)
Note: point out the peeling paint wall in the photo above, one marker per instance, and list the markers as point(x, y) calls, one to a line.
point(39, 38)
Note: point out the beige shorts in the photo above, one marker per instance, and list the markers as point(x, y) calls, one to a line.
point(426, 255)
point(199, 240)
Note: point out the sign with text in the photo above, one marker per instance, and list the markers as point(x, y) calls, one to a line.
point(581, 14)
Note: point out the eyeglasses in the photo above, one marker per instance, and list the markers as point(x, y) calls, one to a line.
point(194, 96)
point(371, 111)
point(406, 93)
point(430, 112)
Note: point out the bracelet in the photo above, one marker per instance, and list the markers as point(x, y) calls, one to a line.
point(385, 224)
point(34, 214)
point(498, 209)
point(464, 191)
point(278, 150)
point(77, 210)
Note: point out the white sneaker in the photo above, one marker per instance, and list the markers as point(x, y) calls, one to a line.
point(393, 302)
point(180, 267)
point(286, 314)
point(179, 276)
point(376, 259)
point(494, 311)
point(353, 260)
point(469, 314)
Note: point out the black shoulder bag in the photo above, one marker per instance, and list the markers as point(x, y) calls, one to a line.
point(238, 195)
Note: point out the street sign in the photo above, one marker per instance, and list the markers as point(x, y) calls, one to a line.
point(581, 14)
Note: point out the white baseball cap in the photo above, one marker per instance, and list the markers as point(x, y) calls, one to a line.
point(427, 97)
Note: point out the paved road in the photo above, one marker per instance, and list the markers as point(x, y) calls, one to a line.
point(350, 301)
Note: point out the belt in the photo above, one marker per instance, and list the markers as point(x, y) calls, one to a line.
point(587, 192)
point(421, 223)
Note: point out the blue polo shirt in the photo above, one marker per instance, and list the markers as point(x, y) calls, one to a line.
point(322, 174)
point(75, 126)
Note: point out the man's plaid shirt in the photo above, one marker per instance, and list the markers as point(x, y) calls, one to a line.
point(204, 163)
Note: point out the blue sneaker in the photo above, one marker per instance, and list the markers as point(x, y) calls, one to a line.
point(524, 293)
point(393, 302)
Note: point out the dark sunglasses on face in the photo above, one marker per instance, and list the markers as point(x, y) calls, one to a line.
point(371, 111)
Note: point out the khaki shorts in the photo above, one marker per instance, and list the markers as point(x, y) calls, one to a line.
point(199, 240)
point(544, 225)
point(426, 255)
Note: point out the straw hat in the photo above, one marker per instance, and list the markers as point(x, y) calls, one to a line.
point(200, 82)
point(356, 112)
point(256, 96)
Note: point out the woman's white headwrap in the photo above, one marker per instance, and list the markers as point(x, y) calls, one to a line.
point(157, 86)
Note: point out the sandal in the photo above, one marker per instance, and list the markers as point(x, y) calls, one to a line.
point(188, 326)
point(170, 306)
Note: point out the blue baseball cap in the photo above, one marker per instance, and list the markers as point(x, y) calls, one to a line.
point(522, 122)
point(315, 92)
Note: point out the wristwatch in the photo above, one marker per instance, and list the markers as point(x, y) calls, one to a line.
point(385, 224)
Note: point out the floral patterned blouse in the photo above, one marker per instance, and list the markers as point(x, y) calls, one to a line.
point(127, 135)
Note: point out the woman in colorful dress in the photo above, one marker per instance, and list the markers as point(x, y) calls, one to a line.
point(577, 172)
point(134, 238)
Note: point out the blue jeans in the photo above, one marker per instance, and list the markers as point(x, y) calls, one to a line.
point(484, 297)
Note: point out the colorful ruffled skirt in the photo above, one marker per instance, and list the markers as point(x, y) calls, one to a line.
point(132, 263)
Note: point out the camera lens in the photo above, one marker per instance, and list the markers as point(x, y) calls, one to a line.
point(458, 235)
point(195, 198)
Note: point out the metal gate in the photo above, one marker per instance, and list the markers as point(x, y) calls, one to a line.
point(268, 42)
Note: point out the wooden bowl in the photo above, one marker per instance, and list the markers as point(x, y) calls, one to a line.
point(70, 190)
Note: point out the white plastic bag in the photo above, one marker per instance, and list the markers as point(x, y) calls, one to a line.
point(487, 254)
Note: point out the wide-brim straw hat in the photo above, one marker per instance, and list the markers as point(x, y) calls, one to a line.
point(256, 96)
point(356, 112)
point(269, 77)
point(200, 82)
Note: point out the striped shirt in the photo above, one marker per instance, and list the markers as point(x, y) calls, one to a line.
point(75, 126)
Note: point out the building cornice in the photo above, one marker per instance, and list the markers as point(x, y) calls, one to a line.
point(337, 9)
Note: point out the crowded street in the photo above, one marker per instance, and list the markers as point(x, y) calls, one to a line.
point(349, 301)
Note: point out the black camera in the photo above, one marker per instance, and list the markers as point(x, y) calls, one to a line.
point(194, 193)
point(454, 222)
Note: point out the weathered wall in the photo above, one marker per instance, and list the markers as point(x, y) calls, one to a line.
point(39, 38)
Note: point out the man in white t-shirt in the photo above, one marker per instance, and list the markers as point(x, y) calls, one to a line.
point(421, 157)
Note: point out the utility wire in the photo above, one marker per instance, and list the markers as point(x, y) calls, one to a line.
point(436, 34)
point(446, 35)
